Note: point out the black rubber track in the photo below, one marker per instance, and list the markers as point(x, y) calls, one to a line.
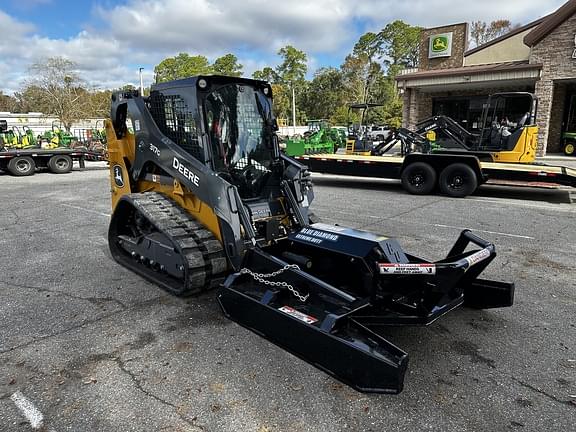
point(207, 264)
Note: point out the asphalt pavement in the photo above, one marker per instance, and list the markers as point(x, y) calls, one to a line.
point(86, 345)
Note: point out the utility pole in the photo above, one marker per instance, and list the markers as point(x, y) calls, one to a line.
point(141, 81)
point(293, 110)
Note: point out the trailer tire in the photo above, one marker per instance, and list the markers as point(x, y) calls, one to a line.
point(418, 178)
point(60, 164)
point(22, 166)
point(458, 180)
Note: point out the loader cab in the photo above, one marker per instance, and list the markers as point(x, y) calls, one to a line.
point(239, 126)
point(508, 121)
point(225, 123)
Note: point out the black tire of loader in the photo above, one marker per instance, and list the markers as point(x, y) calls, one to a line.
point(21, 166)
point(419, 178)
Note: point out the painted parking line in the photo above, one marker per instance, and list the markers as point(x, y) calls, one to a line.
point(86, 210)
point(563, 207)
point(29, 410)
point(355, 215)
point(478, 230)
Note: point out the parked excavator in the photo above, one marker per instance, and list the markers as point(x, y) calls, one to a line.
point(202, 198)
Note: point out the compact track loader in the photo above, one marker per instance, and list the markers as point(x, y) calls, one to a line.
point(203, 198)
point(507, 132)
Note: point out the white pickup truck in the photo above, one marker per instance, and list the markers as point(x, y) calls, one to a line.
point(378, 133)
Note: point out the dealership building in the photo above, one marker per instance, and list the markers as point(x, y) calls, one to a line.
point(539, 57)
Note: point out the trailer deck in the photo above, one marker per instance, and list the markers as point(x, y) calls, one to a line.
point(391, 167)
point(24, 162)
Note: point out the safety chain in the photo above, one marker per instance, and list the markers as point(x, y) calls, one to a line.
point(263, 278)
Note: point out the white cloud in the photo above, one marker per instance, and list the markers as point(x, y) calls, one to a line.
point(436, 12)
point(143, 32)
point(203, 26)
point(13, 32)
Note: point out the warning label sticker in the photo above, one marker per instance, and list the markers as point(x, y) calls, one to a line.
point(407, 269)
point(475, 258)
point(299, 315)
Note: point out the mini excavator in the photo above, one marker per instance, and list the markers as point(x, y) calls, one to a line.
point(203, 198)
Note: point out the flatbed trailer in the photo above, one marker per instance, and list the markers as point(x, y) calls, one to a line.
point(25, 162)
point(454, 175)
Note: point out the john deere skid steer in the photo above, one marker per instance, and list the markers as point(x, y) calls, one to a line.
point(203, 198)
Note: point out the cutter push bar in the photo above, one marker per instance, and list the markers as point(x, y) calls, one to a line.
point(340, 332)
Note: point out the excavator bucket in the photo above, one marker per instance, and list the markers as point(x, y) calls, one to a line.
point(340, 332)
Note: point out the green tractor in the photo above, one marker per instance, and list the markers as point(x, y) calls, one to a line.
point(57, 137)
point(14, 138)
point(8, 139)
point(29, 140)
point(569, 143)
point(320, 138)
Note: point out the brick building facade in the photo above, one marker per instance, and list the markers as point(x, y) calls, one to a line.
point(539, 58)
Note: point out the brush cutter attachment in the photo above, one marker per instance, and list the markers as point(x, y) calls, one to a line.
point(325, 293)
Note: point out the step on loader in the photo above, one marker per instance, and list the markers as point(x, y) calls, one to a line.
point(203, 198)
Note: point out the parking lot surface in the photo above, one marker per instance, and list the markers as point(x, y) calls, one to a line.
point(86, 345)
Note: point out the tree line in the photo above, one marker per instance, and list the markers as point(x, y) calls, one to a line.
point(367, 75)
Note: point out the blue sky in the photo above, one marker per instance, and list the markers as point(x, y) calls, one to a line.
point(109, 40)
point(53, 18)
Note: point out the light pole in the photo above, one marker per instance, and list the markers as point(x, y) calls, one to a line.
point(293, 110)
point(141, 81)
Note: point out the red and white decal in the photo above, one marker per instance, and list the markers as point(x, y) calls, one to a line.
point(298, 315)
point(475, 258)
point(407, 269)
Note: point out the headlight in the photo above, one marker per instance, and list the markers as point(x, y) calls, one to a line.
point(266, 91)
point(202, 83)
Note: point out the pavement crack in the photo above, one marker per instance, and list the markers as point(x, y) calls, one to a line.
point(80, 325)
point(413, 209)
point(542, 392)
point(138, 383)
point(16, 216)
point(64, 294)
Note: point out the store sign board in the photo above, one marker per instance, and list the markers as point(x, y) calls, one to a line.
point(440, 45)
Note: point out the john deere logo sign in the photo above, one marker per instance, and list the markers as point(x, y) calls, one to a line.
point(440, 45)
